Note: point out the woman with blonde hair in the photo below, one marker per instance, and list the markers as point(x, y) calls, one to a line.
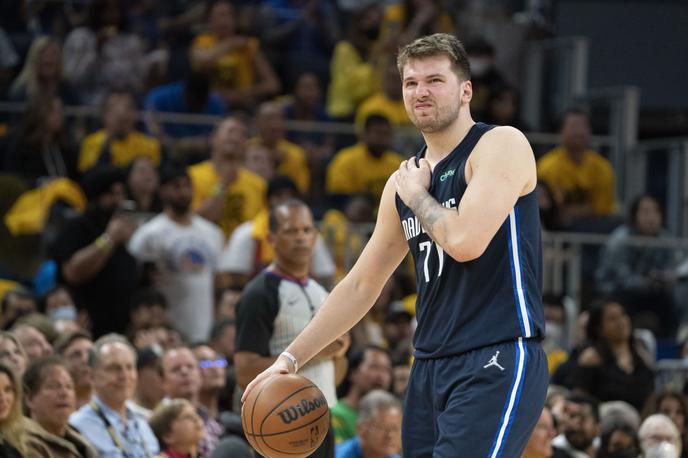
point(12, 354)
point(12, 432)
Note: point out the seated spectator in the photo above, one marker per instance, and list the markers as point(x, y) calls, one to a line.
point(149, 390)
point(103, 53)
point(249, 250)
point(148, 310)
point(41, 148)
point(12, 353)
point(675, 406)
point(58, 305)
point(581, 180)
point(288, 158)
point(613, 366)
point(178, 428)
point(365, 166)
point(142, 185)
point(485, 76)
point(182, 379)
point(378, 428)
point(224, 192)
point(222, 338)
point(400, 379)
point(213, 369)
point(555, 331)
point(619, 440)
point(370, 369)
point(387, 102)
point(32, 341)
point(118, 143)
point(41, 77)
point(239, 71)
point(183, 248)
point(580, 424)
point(51, 399)
point(397, 332)
point(659, 437)
point(188, 143)
point(12, 423)
point(107, 422)
point(540, 443)
point(307, 105)
point(352, 68)
point(641, 276)
point(225, 305)
point(16, 303)
point(91, 255)
point(76, 349)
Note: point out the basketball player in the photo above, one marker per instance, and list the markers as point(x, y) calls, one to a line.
point(467, 210)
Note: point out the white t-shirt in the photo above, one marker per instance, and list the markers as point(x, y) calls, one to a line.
point(239, 255)
point(186, 257)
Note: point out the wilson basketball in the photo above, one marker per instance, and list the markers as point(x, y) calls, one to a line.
point(285, 416)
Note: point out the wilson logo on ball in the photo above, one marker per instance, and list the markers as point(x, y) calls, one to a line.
point(301, 409)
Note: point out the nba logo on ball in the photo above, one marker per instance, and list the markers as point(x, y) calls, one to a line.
point(285, 416)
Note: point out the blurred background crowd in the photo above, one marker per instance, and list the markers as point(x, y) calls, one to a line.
point(144, 143)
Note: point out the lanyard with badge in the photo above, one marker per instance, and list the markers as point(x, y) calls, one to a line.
point(113, 434)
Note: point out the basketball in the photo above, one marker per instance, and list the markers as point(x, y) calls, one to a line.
point(285, 416)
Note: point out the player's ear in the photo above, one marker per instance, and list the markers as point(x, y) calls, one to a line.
point(466, 91)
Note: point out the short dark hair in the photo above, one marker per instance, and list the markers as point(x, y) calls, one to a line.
point(438, 44)
point(635, 205)
point(36, 372)
point(219, 327)
point(147, 296)
point(64, 341)
point(375, 119)
point(584, 399)
point(164, 415)
point(273, 219)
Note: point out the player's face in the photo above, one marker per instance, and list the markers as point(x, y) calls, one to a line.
point(433, 93)
point(295, 236)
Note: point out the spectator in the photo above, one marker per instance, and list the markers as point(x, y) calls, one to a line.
point(12, 354)
point(12, 425)
point(641, 276)
point(540, 443)
point(400, 378)
point(485, 76)
point(265, 326)
point(502, 108)
point(188, 143)
point(118, 143)
point(674, 405)
point(225, 306)
point(398, 332)
point(555, 331)
point(619, 441)
point(213, 378)
point(32, 341)
point(387, 102)
point(239, 70)
point(581, 180)
point(580, 423)
point(184, 249)
point(182, 379)
point(222, 338)
point(76, 349)
point(249, 249)
point(148, 310)
point(378, 428)
point(288, 158)
point(365, 166)
point(42, 149)
point(103, 54)
point(369, 369)
point(149, 389)
point(41, 76)
point(613, 367)
point(178, 428)
point(51, 399)
point(659, 437)
point(58, 305)
point(352, 67)
point(224, 192)
point(307, 105)
point(142, 185)
point(615, 412)
point(91, 255)
point(107, 422)
point(16, 303)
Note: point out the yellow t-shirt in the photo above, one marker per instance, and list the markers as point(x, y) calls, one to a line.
point(354, 170)
point(234, 69)
point(122, 151)
point(353, 80)
point(293, 163)
point(244, 198)
point(379, 104)
point(591, 182)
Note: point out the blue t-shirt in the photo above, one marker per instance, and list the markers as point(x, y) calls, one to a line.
point(170, 98)
point(352, 449)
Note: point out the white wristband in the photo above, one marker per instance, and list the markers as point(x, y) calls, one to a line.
point(291, 358)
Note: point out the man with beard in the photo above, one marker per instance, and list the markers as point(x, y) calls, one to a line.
point(183, 248)
point(467, 210)
point(581, 424)
point(91, 254)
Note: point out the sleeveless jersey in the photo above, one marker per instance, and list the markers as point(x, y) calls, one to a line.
point(462, 306)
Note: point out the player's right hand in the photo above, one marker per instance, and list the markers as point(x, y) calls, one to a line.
point(281, 366)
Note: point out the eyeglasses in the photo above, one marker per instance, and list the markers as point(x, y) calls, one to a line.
point(210, 363)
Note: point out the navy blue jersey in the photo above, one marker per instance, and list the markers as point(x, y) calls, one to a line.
point(462, 306)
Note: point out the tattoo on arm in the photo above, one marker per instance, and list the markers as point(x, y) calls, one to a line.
point(430, 214)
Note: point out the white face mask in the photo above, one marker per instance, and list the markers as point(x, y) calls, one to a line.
point(63, 312)
point(662, 450)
